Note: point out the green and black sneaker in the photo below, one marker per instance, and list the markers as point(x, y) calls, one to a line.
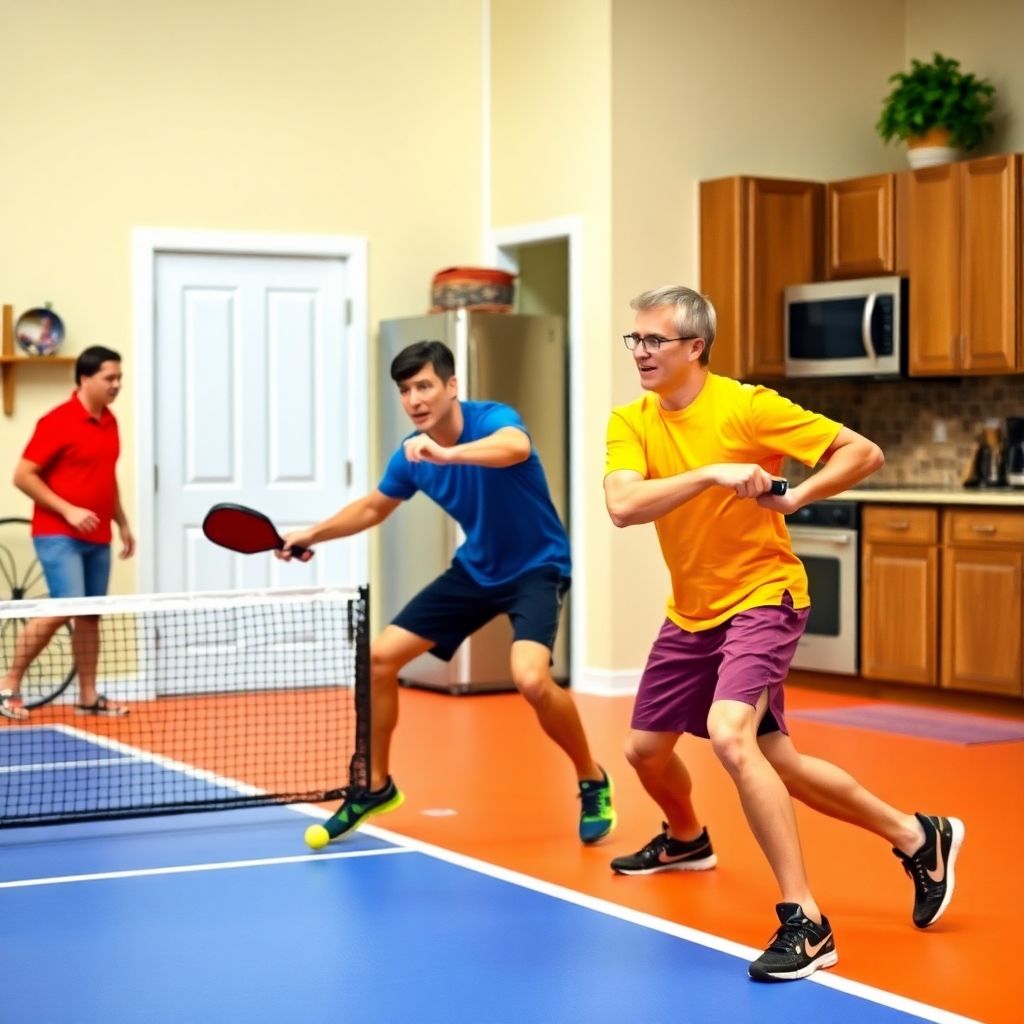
point(597, 816)
point(358, 805)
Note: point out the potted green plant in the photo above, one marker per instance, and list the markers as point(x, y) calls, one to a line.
point(937, 109)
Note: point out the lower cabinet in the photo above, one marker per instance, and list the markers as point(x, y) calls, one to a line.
point(983, 602)
point(950, 613)
point(899, 594)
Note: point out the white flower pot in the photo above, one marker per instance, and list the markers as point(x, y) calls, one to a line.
point(931, 149)
point(930, 156)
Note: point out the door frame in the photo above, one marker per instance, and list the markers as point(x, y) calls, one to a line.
point(502, 247)
point(149, 243)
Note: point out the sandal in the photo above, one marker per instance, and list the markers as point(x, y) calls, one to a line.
point(12, 706)
point(101, 707)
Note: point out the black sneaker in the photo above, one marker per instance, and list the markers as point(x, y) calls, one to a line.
point(931, 867)
point(360, 804)
point(664, 853)
point(799, 948)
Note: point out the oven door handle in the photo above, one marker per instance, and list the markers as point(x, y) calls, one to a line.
point(865, 326)
point(836, 539)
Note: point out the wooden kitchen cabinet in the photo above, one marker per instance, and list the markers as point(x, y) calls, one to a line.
point(866, 233)
point(757, 235)
point(900, 594)
point(983, 602)
point(964, 261)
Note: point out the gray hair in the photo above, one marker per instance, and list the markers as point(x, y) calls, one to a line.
point(695, 316)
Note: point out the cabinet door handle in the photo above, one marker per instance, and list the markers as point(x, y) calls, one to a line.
point(984, 529)
point(898, 524)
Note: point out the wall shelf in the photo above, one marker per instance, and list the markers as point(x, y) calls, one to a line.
point(9, 362)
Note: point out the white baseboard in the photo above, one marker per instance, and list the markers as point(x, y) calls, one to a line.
point(606, 683)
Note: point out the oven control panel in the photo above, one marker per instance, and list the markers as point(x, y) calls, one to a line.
point(841, 515)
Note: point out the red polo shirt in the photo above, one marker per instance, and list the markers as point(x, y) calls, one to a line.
point(76, 453)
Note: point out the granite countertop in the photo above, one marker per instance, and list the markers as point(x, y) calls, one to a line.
point(935, 495)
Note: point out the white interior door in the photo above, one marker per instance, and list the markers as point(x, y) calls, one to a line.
point(250, 394)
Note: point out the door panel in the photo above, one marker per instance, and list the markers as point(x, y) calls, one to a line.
point(935, 270)
point(784, 232)
point(251, 382)
point(990, 255)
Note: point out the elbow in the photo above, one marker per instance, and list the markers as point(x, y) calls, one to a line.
point(521, 453)
point(875, 458)
point(619, 516)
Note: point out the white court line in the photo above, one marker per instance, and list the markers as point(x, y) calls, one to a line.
point(406, 844)
point(736, 949)
point(53, 766)
point(185, 869)
point(169, 763)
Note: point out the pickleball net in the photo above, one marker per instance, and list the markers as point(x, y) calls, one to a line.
point(234, 699)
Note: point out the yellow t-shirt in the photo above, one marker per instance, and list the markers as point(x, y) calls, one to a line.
point(725, 554)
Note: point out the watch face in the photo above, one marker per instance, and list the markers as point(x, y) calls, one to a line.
point(39, 332)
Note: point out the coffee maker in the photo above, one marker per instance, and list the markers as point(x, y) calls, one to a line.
point(1013, 453)
point(987, 466)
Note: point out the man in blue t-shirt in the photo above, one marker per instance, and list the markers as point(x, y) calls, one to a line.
point(474, 459)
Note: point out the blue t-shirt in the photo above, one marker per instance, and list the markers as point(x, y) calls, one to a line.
point(510, 523)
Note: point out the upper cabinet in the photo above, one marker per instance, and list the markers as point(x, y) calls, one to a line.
point(757, 235)
point(866, 226)
point(964, 261)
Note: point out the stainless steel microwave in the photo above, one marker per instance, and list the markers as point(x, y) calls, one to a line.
point(847, 328)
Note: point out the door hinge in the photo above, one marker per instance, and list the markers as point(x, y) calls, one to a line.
point(156, 479)
point(348, 472)
point(348, 312)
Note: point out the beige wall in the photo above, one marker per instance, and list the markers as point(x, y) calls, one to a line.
point(319, 116)
point(986, 37)
point(700, 91)
point(550, 97)
point(332, 116)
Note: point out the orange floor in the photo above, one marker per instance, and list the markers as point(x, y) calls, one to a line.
point(514, 796)
point(485, 758)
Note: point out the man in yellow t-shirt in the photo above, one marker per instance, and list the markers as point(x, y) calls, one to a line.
point(699, 455)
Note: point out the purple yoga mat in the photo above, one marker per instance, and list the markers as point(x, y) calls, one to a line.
point(928, 723)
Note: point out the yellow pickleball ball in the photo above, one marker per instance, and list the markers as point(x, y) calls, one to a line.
point(317, 837)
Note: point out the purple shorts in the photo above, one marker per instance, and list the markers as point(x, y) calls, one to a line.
point(736, 660)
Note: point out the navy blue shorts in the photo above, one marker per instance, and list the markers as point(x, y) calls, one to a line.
point(455, 605)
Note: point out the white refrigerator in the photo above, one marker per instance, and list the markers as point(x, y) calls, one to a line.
point(516, 359)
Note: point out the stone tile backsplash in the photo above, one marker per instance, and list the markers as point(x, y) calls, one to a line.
point(901, 415)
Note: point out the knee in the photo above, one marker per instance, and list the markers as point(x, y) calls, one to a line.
point(383, 663)
point(644, 755)
point(534, 684)
point(731, 744)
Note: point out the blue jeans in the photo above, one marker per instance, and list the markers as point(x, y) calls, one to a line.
point(73, 568)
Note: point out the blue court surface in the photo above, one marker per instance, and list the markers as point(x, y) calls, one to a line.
point(227, 917)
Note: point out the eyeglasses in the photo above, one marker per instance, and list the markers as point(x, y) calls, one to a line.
point(652, 342)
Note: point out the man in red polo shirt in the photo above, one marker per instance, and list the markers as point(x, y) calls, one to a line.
point(68, 470)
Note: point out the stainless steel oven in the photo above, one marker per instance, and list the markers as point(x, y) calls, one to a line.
point(826, 539)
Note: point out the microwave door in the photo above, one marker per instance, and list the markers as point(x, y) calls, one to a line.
point(829, 336)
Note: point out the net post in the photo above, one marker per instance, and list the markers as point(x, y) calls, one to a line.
point(359, 766)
